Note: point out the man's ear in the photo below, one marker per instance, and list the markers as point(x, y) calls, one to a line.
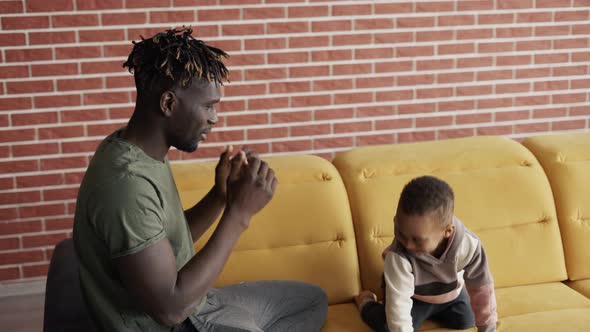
point(168, 102)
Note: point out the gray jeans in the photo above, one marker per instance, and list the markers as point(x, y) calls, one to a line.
point(263, 306)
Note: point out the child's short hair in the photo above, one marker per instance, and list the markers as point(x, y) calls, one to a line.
point(428, 194)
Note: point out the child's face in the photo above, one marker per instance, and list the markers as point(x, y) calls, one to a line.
point(422, 234)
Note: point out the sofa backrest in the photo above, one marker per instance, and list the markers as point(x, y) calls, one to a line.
point(566, 160)
point(501, 193)
point(305, 233)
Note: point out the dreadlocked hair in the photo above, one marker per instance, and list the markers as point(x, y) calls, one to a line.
point(174, 56)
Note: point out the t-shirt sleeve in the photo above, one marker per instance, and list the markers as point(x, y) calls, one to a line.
point(127, 215)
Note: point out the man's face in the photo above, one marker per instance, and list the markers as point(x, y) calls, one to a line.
point(194, 114)
point(421, 234)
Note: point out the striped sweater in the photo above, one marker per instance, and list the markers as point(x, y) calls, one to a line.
point(439, 280)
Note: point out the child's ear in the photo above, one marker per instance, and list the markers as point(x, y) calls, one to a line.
point(449, 230)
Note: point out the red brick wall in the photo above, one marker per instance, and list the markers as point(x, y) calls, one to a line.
point(309, 76)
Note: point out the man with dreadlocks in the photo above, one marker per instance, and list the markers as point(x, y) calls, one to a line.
point(138, 268)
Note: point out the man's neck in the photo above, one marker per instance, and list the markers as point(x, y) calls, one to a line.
point(146, 134)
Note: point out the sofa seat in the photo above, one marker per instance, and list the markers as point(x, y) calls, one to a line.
point(581, 286)
point(540, 307)
point(553, 296)
point(344, 317)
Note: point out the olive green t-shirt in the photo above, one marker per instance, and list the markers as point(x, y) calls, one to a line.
point(127, 202)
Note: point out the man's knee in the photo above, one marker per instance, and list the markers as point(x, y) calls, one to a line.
point(319, 295)
point(318, 302)
point(313, 293)
point(319, 299)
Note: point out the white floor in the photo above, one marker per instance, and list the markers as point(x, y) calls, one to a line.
point(22, 305)
point(22, 313)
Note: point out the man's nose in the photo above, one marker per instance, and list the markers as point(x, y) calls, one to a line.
point(214, 119)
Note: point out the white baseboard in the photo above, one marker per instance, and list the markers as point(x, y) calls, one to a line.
point(28, 287)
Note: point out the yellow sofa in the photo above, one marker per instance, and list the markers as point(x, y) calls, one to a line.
point(329, 223)
point(566, 160)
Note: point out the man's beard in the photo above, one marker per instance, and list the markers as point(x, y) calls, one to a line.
point(188, 146)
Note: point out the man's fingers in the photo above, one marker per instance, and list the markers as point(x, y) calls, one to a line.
point(270, 175)
point(226, 154)
point(270, 178)
point(245, 149)
point(254, 166)
point(236, 164)
point(252, 154)
point(274, 184)
point(263, 170)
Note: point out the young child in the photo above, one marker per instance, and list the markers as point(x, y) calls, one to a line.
point(434, 269)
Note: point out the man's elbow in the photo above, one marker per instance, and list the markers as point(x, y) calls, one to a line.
point(171, 310)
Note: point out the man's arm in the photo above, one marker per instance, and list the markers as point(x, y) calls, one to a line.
point(168, 296)
point(151, 276)
point(202, 215)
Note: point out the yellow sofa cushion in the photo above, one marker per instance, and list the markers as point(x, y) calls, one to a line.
point(566, 160)
point(520, 308)
point(581, 286)
point(305, 233)
point(346, 317)
point(523, 300)
point(543, 307)
point(501, 192)
point(571, 320)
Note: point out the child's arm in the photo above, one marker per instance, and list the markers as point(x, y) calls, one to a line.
point(399, 288)
point(480, 286)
